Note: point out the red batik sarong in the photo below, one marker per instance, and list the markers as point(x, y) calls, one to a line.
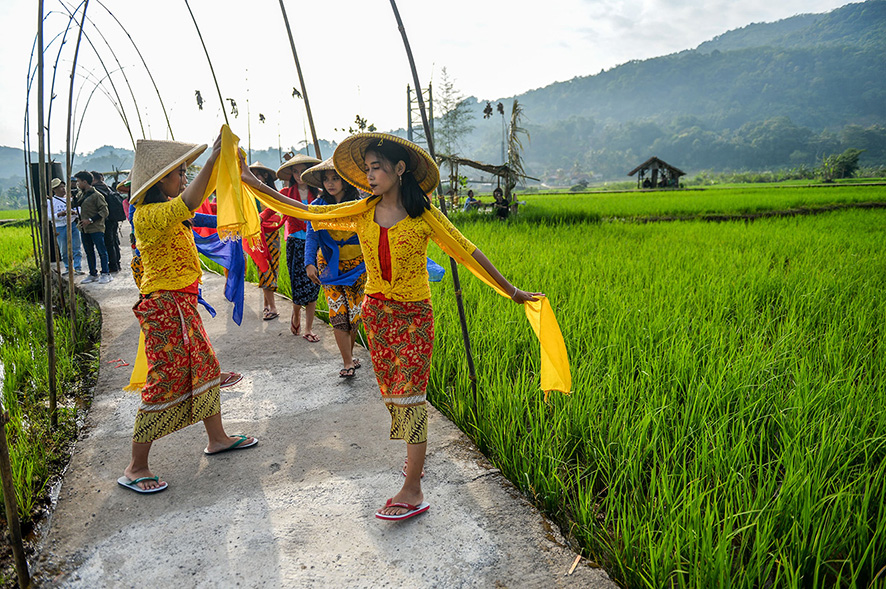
point(401, 340)
point(182, 385)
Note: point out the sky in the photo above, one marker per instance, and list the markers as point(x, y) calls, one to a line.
point(351, 54)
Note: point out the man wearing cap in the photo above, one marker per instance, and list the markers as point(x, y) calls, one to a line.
point(58, 211)
point(93, 212)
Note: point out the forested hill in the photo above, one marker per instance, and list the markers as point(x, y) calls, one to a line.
point(819, 70)
point(799, 77)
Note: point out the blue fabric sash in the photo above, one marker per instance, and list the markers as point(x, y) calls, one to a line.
point(330, 248)
point(230, 256)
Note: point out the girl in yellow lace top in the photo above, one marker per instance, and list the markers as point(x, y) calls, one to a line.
point(183, 377)
point(397, 309)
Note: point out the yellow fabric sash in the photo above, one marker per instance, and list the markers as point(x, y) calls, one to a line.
point(235, 200)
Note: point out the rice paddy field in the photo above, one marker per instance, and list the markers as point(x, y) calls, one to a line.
point(38, 452)
point(727, 425)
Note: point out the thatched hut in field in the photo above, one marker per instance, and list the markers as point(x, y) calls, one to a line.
point(656, 173)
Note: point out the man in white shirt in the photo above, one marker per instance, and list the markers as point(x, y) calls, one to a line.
point(57, 210)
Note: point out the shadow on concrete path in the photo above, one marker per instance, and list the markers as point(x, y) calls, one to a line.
point(298, 509)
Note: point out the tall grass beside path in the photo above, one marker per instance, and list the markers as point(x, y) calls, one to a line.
point(728, 424)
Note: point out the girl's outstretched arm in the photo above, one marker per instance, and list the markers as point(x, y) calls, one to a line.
point(250, 180)
point(517, 295)
point(194, 192)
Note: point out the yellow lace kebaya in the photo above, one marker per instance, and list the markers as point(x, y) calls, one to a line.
point(169, 256)
point(409, 244)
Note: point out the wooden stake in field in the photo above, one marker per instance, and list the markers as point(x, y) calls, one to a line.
point(301, 81)
point(452, 264)
point(69, 162)
point(15, 529)
point(42, 191)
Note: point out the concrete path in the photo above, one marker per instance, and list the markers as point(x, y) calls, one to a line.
point(298, 509)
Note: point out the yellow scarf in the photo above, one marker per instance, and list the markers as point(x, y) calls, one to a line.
point(235, 200)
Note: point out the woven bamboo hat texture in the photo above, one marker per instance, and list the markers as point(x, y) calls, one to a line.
point(154, 159)
point(263, 168)
point(349, 154)
point(314, 176)
point(298, 158)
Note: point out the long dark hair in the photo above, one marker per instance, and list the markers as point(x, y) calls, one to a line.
point(350, 192)
point(415, 201)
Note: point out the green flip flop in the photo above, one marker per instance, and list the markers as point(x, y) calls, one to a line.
point(238, 445)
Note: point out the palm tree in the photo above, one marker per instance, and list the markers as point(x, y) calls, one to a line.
point(515, 149)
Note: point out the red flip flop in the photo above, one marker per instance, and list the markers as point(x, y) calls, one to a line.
point(413, 510)
point(230, 380)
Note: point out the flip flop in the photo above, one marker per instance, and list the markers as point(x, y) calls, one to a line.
point(356, 363)
point(133, 484)
point(238, 445)
point(346, 373)
point(231, 380)
point(267, 315)
point(413, 510)
point(311, 337)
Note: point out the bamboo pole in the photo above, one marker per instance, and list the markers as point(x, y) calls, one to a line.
point(26, 152)
point(301, 80)
point(42, 192)
point(221, 100)
point(144, 63)
point(120, 65)
point(9, 501)
point(452, 264)
point(69, 163)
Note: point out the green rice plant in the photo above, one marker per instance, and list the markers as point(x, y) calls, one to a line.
point(746, 199)
point(727, 426)
point(36, 452)
point(14, 214)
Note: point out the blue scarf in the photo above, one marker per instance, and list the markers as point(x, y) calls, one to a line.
point(330, 248)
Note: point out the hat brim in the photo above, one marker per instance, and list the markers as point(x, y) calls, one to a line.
point(264, 168)
point(299, 158)
point(313, 176)
point(188, 158)
point(350, 153)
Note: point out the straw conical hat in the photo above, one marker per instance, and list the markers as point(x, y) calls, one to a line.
point(348, 160)
point(124, 185)
point(154, 159)
point(298, 158)
point(314, 176)
point(264, 168)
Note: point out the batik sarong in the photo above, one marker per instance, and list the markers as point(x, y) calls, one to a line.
point(401, 340)
point(345, 301)
point(268, 280)
point(183, 372)
point(303, 291)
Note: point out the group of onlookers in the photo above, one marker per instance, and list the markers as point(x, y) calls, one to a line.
point(96, 211)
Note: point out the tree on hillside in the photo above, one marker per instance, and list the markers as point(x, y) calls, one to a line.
point(843, 165)
point(454, 122)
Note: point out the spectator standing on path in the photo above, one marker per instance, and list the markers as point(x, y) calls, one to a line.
point(304, 292)
point(93, 211)
point(58, 210)
point(338, 266)
point(271, 222)
point(116, 215)
point(183, 375)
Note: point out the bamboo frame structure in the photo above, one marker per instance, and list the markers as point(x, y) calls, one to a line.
point(472, 375)
point(301, 80)
point(221, 100)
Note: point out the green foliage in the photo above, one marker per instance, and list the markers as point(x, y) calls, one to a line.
point(840, 166)
point(36, 452)
point(454, 122)
point(726, 426)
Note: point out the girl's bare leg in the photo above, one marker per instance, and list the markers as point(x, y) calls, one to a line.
point(345, 345)
point(295, 321)
point(270, 300)
point(310, 309)
point(218, 439)
point(411, 491)
point(138, 466)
